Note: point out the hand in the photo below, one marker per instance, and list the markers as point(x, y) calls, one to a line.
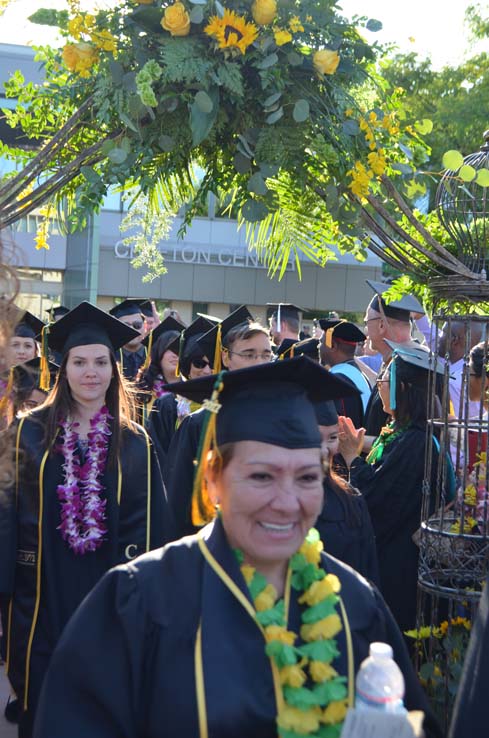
point(351, 439)
point(156, 317)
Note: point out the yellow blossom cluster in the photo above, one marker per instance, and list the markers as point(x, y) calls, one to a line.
point(80, 57)
point(377, 161)
point(360, 179)
point(295, 24)
point(41, 237)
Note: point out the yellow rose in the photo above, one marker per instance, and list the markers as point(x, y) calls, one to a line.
point(321, 672)
point(264, 11)
point(266, 599)
point(176, 20)
point(326, 61)
point(278, 633)
point(335, 712)
point(300, 721)
point(293, 675)
point(282, 37)
point(326, 628)
point(80, 57)
point(319, 590)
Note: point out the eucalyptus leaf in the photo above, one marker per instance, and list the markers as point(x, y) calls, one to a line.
point(424, 126)
point(482, 178)
point(268, 61)
point(166, 143)
point(117, 71)
point(204, 102)
point(274, 117)
point(350, 127)
point(256, 184)
point(148, 18)
point(219, 8)
point(201, 123)
point(403, 168)
point(301, 111)
point(269, 170)
point(452, 160)
point(294, 59)
point(90, 175)
point(245, 145)
point(272, 99)
point(196, 14)
point(373, 25)
point(242, 163)
point(170, 104)
point(117, 155)
point(407, 151)
point(107, 146)
point(198, 2)
point(467, 173)
point(254, 210)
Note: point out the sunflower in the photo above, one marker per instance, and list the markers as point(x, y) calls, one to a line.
point(232, 31)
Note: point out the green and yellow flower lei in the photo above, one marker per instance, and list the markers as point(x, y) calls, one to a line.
point(314, 695)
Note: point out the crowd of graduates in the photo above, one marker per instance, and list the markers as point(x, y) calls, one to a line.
point(112, 418)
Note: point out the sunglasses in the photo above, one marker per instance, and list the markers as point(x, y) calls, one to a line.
point(200, 363)
point(137, 325)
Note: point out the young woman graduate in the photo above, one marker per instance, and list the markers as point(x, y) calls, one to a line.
point(247, 628)
point(23, 344)
point(161, 365)
point(26, 392)
point(344, 521)
point(391, 477)
point(88, 495)
point(169, 410)
point(236, 343)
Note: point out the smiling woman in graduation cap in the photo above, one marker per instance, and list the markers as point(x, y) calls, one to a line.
point(248, 628)
point(88, 495)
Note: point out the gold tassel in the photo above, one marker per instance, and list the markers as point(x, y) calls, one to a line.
point(44, 376)
point(147, 360)
point(328, 336)
point(217, 364)
point(202, 508)
point(8, 391)
point(180, 349)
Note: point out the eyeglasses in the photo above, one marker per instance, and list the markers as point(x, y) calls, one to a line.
point(200, 363)
point(252, 355)
point(137, 325)
point(369, 320)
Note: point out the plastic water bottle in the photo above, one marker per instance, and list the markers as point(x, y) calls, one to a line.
point(380, 683)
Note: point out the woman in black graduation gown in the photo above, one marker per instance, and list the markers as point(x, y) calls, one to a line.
point(161, 365)
point(88, 495)
point(391, 477)
point(204, 637)
point(344, 521)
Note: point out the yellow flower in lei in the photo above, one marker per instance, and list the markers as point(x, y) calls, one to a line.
point(264, 11)
point(314, 694)
point(282, 36)
point(231, 31)
point(176, 20)
point(325, 61)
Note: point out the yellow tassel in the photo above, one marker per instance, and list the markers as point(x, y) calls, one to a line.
point(328, 336)
point(217, 364)
point(44, 375)
point(8, 391)
point(202, 508)
point(147, 360)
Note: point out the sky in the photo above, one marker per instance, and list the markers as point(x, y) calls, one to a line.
point(432, 28)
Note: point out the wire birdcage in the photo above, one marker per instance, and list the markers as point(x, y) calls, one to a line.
point(463, 210)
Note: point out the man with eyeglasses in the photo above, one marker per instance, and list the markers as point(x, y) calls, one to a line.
point(386, 322)
point(132, 355)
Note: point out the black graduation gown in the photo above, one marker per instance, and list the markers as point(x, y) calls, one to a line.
point(127, 663)
point(44, 578)
point(161, 426)
point(351, 407)
point(131, 362)
point(179, 471)
point(470, 711)
point(393, 491)
point(375, 416)
point(346, 531)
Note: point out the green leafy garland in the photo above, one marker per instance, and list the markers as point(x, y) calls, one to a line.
point(314, 695)
point(388, 434)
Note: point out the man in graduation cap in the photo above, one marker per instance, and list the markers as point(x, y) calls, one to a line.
point(339, 342)
point(133, 354)
point(236, 343)
point(285, 324)
point(386, 322)
point(151, 317)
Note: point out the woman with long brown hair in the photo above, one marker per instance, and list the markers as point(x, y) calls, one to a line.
point(88, 495)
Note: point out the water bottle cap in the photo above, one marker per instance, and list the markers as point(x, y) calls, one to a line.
point(380, 650)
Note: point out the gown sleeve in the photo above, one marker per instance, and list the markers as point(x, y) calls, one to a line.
point(180, 470)
point(95, 683)
point(161, 426)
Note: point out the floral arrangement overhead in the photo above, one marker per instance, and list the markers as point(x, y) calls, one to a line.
point(275, 106)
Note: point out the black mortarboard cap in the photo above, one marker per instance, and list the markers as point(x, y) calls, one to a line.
point(284, 310)
point(284, 351)
point(326, 413)
point(168, 325)
point(342, 330)
point(57, 311)
point(27, 375)
point(271, 402)
point(146, 308)
point(308, 347)
point(130, 306)
point(211, 318)
point(186, 344)
point(87, 324)
point(28, 326)
point(395, 309)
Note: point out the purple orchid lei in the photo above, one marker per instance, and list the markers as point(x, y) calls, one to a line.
point(158, 390)
point(82, 509)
